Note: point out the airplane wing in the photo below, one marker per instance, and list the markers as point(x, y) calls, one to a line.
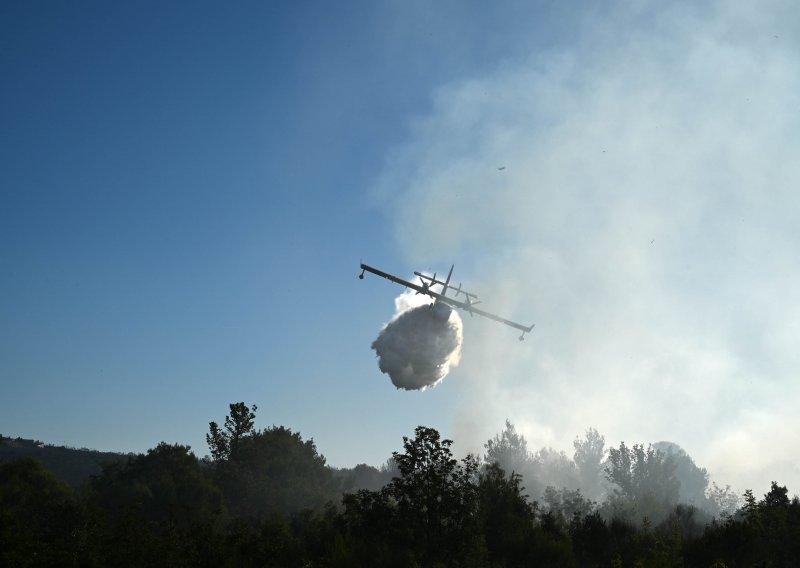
point(458, 289)
point(395, 279)
point(467, 307)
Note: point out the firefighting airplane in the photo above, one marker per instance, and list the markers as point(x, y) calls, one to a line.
point(424, 287)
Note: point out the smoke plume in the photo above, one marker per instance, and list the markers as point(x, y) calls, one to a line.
point(417, 348)
point(645, 218)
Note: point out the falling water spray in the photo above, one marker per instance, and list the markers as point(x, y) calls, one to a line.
point(420, 344)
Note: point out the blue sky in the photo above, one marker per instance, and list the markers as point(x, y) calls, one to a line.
point(187, 190)
point(185, 205)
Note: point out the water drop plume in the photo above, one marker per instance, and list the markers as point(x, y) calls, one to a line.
point(418, 347)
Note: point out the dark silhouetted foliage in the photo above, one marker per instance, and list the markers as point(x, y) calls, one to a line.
point(72, 465)
point(644, 483)
point(41, 520)
point(268, 499)
point(153, 508)
point(224, 444)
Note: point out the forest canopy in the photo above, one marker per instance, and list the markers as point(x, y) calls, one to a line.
point(267, 497)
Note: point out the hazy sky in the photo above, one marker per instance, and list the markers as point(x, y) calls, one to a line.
point(187, 190)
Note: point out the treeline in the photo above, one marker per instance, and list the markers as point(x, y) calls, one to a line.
point(631, 483)
point(73, 465)
point(267, 498)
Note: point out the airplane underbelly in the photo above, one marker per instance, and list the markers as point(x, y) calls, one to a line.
point(441, 310)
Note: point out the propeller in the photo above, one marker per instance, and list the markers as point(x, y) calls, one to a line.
point(424, 284)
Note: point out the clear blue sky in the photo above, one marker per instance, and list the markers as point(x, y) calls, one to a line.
point(187, 189)
point(184, 205)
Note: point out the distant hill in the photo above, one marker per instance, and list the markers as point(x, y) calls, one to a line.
point(75, 466)
point(71, 465)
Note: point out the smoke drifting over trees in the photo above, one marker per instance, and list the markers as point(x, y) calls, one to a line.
point(266, 497)
point(418, 347)
point(647, 191)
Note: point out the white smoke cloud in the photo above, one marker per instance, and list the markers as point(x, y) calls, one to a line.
point(418, 347)
point(646, 218)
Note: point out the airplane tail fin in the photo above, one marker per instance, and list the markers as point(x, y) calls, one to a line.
point(447, 282)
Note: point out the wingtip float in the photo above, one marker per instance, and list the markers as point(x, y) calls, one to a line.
point(441, 298)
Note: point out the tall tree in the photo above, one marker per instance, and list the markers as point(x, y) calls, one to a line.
point(778, 496)
point(693, 479)
point(152, 508)
point(552, 469)
point(722, 502)
point(436, 496)
point(588, 458)
point(506, 516)
point(567, 504)
point(509, 450)
point(645, 486)
point(277, 471)
point(224, 444)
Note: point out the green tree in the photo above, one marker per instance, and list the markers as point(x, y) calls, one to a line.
point(750, 509)
point(267, 542)
point(376, 536)
point(722, 502)
point(507, 518)
point(41, 520)
point(567, 504)
point(551, 468)
point(362, 476)
point(509, 450)
point(693, 480)
point(436, 497)
point(158, 508)
point(224, 444)
point(645, 486)
point(276, 471)
point(427, 515)
point(763, 533)
point(780, 527)
point(588, 458)
point(267, 472)
point(778, 497)
point(591, 540)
